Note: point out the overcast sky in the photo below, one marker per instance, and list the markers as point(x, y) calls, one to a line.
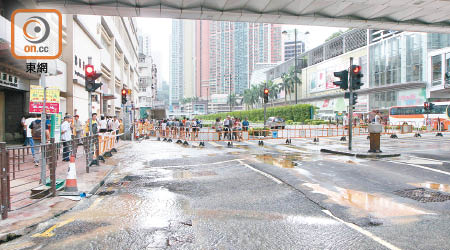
point(159, 30)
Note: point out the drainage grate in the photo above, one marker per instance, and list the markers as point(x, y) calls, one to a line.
point(423, 195)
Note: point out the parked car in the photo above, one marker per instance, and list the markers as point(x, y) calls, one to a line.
point(276, 123)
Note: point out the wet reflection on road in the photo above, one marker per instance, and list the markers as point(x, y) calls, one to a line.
point(365, 203)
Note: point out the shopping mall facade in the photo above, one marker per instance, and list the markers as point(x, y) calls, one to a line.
point(400, 69)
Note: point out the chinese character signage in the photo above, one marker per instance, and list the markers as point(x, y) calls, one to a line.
point(37, 100)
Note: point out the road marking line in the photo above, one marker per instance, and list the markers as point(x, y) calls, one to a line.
point(427, 159)
point(363, 231)
point(419, 166)
point(49, 233)
point(261, 172)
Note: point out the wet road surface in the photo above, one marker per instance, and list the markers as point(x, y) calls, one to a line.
point(167, 196)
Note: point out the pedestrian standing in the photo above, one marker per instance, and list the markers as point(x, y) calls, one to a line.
point(29, 138)
point(78, 125)
point(103, 124)
point(245, 124)
point(66, 136)
point(116, 127)
point(24, 130)
point(377, 118)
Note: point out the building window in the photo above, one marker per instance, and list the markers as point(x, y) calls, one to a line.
point(447, 69)
point(76, 60)
point(436, 68)
point(79, 62)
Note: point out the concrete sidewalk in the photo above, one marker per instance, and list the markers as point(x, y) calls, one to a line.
point(21, 220)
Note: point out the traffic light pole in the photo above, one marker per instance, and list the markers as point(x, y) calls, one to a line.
point(90, 103)
point(265, 86)
point(350, 108)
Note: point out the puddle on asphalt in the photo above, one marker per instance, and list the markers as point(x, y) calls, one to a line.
point(359, 202)
point(284, 161)
point(242, 146)
point(434, 186)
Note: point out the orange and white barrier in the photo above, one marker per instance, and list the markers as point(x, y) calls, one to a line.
point(71, 180)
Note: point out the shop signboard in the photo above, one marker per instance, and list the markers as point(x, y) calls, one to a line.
point(37, 100)
point(56, 126)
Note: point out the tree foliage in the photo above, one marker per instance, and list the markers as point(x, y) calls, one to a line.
point(296, 113)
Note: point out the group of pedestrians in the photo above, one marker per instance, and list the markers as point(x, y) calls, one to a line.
point(184, 127)
point(71, 127)
point(231, 127)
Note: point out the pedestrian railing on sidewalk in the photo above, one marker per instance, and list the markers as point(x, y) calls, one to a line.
point(21, 167)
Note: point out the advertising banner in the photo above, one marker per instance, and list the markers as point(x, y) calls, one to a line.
point(411, 97)
point(37, 100)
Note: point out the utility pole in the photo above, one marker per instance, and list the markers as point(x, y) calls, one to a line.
point(295, 64)
point(43, 129)
point(265, 104)
point(350, 108)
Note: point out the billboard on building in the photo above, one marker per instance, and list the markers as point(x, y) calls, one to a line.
point(321, 77)
point(411, 97)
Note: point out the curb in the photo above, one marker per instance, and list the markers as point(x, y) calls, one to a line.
point(6, 237)
point(102, 182)
point(359, 155)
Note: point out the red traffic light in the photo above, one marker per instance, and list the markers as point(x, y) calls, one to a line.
point(266, 91)
point(89, 70)
point(124, 92)
point(356, 69)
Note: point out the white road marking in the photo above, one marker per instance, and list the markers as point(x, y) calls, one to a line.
point(352, 226)
point(261, 172)
point(363, 231)
point(428, 159)
point(419, 166)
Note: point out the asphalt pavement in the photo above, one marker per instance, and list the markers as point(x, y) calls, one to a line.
point(277, 196)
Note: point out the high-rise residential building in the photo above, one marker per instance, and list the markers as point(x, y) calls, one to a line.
point(144, 45)
point(216, 57)
point(234, 50)
point(176, 67)
point(202, 59)
point(147, 75)
point(188, 58)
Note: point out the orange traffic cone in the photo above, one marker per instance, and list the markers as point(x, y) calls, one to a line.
point(71, 180)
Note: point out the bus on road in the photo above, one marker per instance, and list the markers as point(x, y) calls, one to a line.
point(416, 115)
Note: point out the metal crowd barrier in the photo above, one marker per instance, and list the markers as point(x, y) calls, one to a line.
point(185, 135)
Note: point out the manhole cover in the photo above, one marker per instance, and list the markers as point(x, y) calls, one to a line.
point(423, 195)
point(103, 193)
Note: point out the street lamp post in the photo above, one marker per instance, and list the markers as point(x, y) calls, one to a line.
point(295, 60)
point(295, 63)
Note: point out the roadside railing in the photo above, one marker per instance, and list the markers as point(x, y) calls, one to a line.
point(22, 167)
point(195, 134)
